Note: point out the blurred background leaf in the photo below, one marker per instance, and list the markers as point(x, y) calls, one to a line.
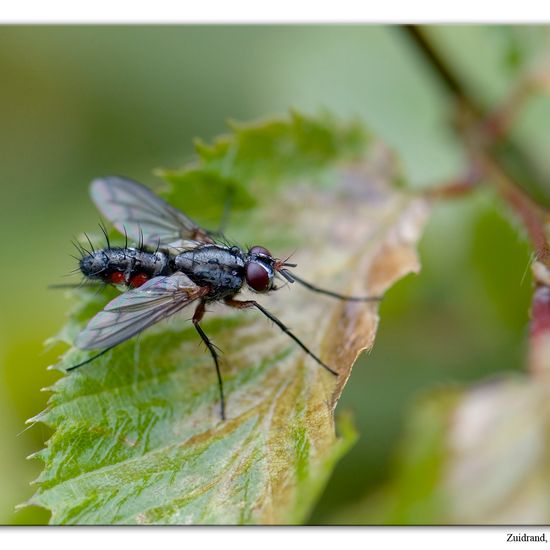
point(471, 457)
point(79, 102)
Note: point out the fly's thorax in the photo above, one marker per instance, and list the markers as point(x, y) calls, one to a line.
point(219, 267)
point(124, 265)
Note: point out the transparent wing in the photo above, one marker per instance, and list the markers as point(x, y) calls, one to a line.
point(135, 210)
point(137, 309)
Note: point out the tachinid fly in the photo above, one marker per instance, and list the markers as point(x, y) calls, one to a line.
point(175, 264)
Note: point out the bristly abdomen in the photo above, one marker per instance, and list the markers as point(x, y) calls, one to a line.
point(124, 265)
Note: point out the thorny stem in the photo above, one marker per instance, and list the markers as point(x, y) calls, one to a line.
point(441, 68)
point(492, 123)
point(498, 122)
point(534, 219)
point(455, 188)
point(481, 132)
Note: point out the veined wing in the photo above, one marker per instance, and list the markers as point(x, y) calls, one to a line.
point(136, 211)
point(138, 309)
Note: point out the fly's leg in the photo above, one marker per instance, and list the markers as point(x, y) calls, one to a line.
point(291, 277)
point(100, 285)
point(92, 358)
point(244, 304)
point(197, 317)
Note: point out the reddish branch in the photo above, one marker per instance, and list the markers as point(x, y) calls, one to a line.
point(535, 219)
point(480, 131)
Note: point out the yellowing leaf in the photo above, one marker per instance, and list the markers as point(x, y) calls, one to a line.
point(498, 441)
point(138, 436)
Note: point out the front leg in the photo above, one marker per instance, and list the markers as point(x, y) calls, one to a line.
point(244, 304)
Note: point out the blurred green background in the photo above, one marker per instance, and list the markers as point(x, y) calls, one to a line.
point(80, 102)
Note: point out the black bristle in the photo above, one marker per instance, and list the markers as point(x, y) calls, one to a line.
point(89, 242)
point(104, 231)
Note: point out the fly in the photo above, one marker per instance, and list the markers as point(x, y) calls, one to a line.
point(176, 264)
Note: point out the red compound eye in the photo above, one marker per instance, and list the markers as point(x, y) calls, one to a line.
point(257, 277)
point(260, 250)
point(116, 277)
point(138, 280)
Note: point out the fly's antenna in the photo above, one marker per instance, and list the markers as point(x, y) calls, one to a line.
point(104, 231)
point(279, 264)
point(285, 263)
point(291, 277)
point(125, 237)
point(286, 274)
point(282, 278)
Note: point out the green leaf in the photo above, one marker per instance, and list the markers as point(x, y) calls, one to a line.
point(137, 433)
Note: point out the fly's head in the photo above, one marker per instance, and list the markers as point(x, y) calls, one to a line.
point(261, 268)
